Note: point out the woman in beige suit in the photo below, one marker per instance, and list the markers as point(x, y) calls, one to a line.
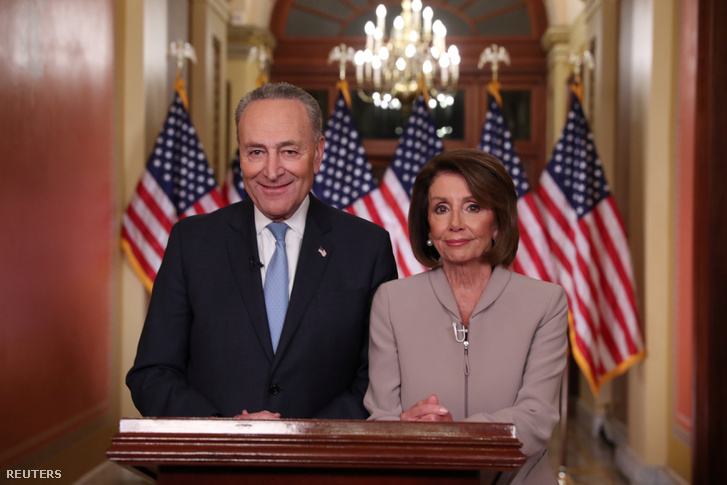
point(469, 340)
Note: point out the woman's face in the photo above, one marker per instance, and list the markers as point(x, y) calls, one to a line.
point(459, 227)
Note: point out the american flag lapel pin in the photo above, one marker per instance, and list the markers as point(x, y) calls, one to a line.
point(322, 252)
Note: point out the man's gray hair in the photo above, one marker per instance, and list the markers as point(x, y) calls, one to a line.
point(283, 91)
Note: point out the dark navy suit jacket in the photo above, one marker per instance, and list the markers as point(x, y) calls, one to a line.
point(205, 348)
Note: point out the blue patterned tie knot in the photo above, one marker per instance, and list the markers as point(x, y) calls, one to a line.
point(276, 283)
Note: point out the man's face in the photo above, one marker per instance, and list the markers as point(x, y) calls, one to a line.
point(278, 155)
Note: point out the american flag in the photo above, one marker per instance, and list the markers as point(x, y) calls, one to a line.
point(533, 255)
point(176, 183)
point(592, 255)
point(233, 190)
point(418, 144)
point(345, 180)
point(345, 175)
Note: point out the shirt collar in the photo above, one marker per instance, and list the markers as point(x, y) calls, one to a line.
point(296, 222)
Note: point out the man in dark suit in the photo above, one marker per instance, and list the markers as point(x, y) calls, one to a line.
point(261, 309)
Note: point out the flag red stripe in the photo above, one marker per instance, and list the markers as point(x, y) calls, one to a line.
point(396, 209)
point(373, 211)
point(217, 198)
point(138, 255)
point(608, 290)
point(584, 350)
point(555, 214)
point(615, 255)
point(154, 208)
point(402, 264)
point(554, 210)
point(603, 330)
point(143, 229)
point(527, 241)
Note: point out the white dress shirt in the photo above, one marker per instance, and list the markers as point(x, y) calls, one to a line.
point(293, 240)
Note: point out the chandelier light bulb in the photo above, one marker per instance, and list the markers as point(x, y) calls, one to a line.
point(427, 67)
point(381, 11)
point(453, 54)
point(410, 50)
point(369, 28)
point(383, 53)
point(416, 5)
point(398, 23)
point(444, 60)
point(401, 64)
point(428, 13)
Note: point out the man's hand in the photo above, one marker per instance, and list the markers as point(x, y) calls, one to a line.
point(258, 415)
point(427, 410)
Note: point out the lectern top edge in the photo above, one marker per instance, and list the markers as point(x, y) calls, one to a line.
point(312, 427)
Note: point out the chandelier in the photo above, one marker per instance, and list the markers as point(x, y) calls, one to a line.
point(391, 72)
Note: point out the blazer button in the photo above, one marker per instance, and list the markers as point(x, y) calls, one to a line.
point(274, 389)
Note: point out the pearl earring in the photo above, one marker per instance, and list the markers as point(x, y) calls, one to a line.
point(430, 243)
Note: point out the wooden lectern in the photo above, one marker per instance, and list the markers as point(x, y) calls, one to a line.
point(223, 451)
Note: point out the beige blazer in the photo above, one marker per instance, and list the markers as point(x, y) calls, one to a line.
point(517, 353)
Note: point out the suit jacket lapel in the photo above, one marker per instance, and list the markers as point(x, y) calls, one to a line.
point(315, 252)
point(242, 252)
point(494, 288)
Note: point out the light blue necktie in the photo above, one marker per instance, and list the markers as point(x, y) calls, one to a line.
point(276, 283)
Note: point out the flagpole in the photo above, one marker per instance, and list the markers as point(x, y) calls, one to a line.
point(577, 62)
point(564, 390)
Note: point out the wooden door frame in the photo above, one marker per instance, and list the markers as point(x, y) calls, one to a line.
point(710, 362)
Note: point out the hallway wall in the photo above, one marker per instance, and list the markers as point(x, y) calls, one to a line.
point(57, 249)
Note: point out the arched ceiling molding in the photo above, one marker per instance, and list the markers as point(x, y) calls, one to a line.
point(353, 10)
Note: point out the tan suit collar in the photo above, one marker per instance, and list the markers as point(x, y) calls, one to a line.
point(494, 288)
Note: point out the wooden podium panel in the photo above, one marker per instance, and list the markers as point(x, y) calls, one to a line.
point(221, 451)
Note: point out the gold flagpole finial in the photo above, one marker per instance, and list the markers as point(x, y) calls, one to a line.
point(494, 55)
point(343, 54)
point(262, 55)
point(181, 51)
point(579, 62)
